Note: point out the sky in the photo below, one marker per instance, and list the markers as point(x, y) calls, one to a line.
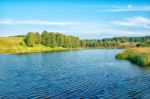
point(88, 19)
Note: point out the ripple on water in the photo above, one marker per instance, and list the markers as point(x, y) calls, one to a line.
point(96, 74)
point(87, 88)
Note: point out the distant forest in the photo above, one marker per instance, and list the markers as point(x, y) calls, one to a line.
point(53, 39)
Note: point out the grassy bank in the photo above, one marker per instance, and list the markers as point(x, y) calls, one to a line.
point(140, 56)
point(17, 45)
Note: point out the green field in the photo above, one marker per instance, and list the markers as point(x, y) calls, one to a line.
point(140, 56)
point(17, 45)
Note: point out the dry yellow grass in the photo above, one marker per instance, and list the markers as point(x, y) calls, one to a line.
point(145, 50)
point(10, 42)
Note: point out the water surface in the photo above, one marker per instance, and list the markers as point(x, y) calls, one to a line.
point(72, 74)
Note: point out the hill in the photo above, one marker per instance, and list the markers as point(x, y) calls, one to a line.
point(17, 45)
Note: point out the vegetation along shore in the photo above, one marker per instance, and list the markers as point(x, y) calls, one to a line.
point(54, 41)
point(137, 48)
point(140, 56)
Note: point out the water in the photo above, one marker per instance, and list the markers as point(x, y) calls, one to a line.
point(72, 74)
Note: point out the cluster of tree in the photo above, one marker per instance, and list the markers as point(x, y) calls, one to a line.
point(52, 39)
point(33, 39)
point(118, 42)
point(129, 39)
point(99, 43)
point(139, 41)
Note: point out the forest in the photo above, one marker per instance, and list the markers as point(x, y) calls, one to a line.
point(55, 39)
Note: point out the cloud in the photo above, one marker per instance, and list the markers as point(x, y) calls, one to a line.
point(90, 29)
point(135, 21)
point(97, 30)
point(33, 22)
point(130, 8)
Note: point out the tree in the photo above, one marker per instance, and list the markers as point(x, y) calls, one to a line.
point(52, 39)
point(30, 39)
point(45, 38)
point(37, 38)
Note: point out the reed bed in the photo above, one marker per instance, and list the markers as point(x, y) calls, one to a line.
point(140, 56)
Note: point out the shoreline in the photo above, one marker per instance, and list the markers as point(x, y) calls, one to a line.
point(139, 56)
point(40, 50)
point(43, 49)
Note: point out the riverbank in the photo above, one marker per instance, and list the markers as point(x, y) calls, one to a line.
point(139, 56)
point(17, 45)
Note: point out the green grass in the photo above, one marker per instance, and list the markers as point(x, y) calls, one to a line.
point(140, 56)
point(17, 45)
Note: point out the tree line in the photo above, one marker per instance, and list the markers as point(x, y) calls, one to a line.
point(118, 42)
point(53, 39)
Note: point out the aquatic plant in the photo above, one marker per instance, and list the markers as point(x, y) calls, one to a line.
point(140, 56)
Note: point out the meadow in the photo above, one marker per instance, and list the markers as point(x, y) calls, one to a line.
point(17, 45)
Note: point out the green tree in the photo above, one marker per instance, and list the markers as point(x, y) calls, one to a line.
point(30, 39)
point(37, 38)
point(45, 38)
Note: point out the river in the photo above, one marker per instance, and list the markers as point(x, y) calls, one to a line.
point(94, 73)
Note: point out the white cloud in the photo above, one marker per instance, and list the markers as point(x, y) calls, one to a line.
point(97, 30)
point(135, 21)
point(34, 22)
point(129, 7)
point(83, 29)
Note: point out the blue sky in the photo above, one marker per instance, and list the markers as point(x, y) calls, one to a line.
point(88, 19)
